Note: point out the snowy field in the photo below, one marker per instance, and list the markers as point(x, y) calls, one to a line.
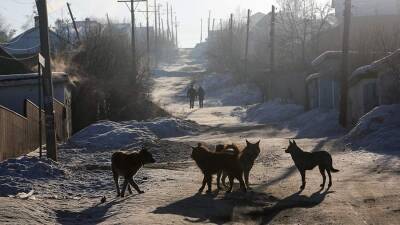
point(365, 191)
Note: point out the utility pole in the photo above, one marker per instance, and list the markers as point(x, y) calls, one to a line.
point(209, 24)
point(201, 30)
point(168, 30)
point(231, 39)
point(147, 35)
point(176, 32)
point(213, 24)
point(172, 26)
point(108, 20)
point(51, 144)
point(247, 43)
point(73, 21)
point(155, 33)
point(159, 21)
point(272, 54)
point(345, 64)
point(133, 39)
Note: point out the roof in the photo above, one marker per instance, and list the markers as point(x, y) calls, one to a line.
point(326, 55)
point(22, 46)
point(371, 70)
point(313, 77)
point(10, 65)
point(29, 78)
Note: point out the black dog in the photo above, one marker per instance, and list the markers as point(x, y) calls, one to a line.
point(309, 160)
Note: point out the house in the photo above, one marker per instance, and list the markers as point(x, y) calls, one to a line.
point(323, 87)
point(15, 89)
point(27, 44)
point(368, 7)
point(375, 84)
point(9, 64)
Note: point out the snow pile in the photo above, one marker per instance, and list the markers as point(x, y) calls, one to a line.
point(316, 123)
point(378, 130)
point(221, 90)
point(128, 134)
point(272, 112)
point(166, 127)
point(17, 175)
point(110, 135)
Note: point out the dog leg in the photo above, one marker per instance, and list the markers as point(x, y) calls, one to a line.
point(303, 179)
point(230, 184)
point(330, 178)
point(203, 184)
point(116, 180)
point(124, 185)
point(242, 184)
point(218, 180)
point(209, 180)
point(224, 179)
point(246, 178)
point(322, 171)
point(134, 185)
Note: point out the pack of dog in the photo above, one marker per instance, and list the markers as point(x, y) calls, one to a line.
point(227, 161)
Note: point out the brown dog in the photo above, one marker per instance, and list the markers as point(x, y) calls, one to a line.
point(127, 165)
point(213, 162)
point(247, 158)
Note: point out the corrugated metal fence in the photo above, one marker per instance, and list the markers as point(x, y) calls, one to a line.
point(19, 134)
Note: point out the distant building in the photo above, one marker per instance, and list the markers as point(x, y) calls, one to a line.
point(368, 7)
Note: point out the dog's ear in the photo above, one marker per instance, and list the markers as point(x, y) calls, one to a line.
point(247, 142)
point(258, 143)
point(294, 142)
point(290, 142)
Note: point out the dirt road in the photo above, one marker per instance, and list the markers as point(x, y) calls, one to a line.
point(365, 191)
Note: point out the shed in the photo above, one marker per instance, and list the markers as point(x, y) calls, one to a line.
point(375, 84)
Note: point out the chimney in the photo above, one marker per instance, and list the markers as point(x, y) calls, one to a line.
point(36, 18)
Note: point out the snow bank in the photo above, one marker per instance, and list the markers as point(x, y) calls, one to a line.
point(316, 123)
point(378, 130)
point(123, 135)
point(17, 175)
point(272, 112)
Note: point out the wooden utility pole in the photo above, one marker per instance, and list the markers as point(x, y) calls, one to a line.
point(272, 41)
point(231, 39)
point(168, 29)
point(201, 30)
point(73, 21)
point(108, 20)
point(176, 32)
point(213, 24)
point(147, 35)
point(51, 144)
point(172, 27)
point(159, 21)
point(345, 64)
point(247, 43)
point(133, 38)
point(155, 32)
point(209, 23)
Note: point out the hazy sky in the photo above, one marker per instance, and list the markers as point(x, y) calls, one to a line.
point(189, 12)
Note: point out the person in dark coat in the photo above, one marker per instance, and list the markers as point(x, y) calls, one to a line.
point(191, 94)
point(201, 94)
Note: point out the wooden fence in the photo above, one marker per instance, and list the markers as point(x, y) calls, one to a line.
point(19, 134)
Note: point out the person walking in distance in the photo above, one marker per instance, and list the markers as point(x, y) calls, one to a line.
point(191, 94)
point(201, 94)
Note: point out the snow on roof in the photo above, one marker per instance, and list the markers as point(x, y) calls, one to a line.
point(371, 70)
point(312, 77)
point(324, 56)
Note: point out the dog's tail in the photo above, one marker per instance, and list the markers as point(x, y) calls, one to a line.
point(333, 170)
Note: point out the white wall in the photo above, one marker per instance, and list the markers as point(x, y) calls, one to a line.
point(369, 7)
